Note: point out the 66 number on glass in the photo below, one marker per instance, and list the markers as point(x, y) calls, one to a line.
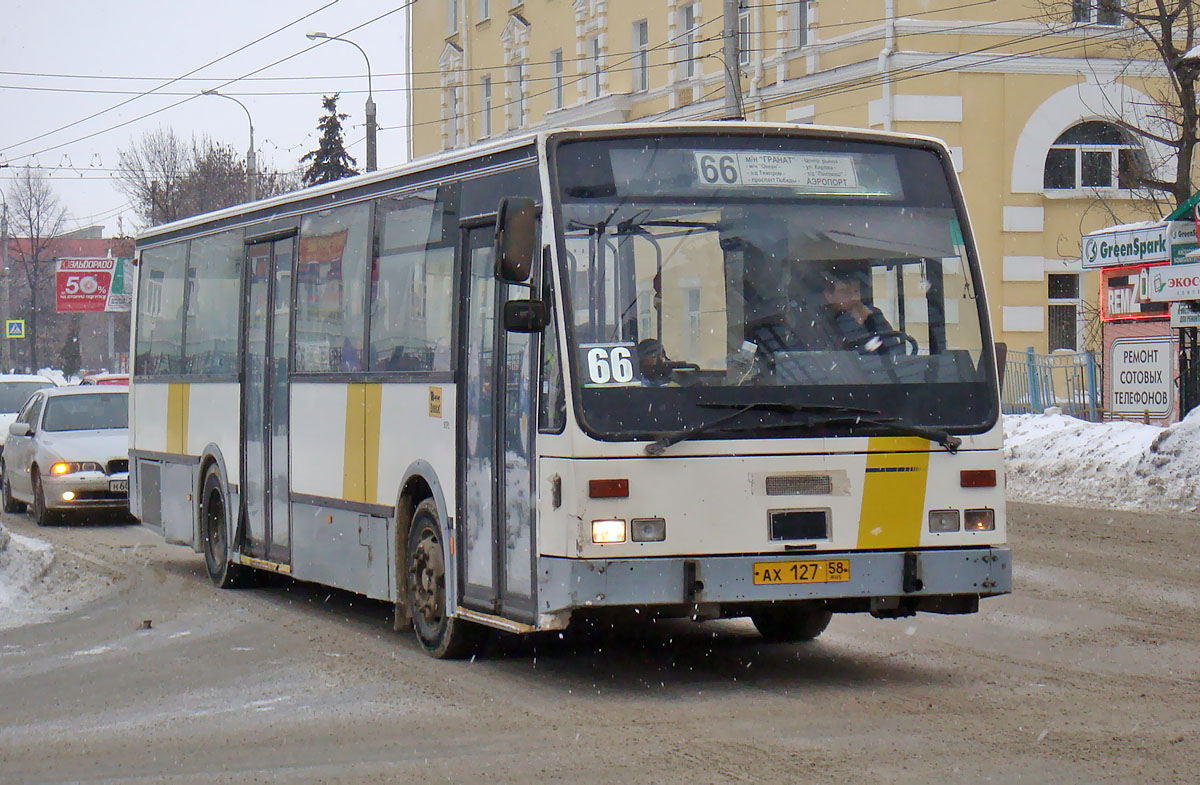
point(610, 364)
point(718, 169)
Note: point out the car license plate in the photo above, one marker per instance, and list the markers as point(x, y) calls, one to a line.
point(118, 486)
point(772, 572)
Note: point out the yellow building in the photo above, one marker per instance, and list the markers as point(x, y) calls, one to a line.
point(1023, 92)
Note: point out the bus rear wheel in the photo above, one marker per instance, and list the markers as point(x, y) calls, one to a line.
point(440, 635)
point(214, 531)
point(791, 625)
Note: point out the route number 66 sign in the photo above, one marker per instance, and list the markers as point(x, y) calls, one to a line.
point(608, 364)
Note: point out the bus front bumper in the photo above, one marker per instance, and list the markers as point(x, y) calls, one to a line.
point(942, 580)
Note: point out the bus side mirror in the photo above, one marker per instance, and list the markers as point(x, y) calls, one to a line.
point(526, 316)
point(516, 238)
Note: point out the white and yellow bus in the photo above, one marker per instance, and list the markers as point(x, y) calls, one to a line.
point(713, 370)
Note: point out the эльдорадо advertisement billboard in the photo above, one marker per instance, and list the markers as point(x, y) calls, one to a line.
point(91, 285)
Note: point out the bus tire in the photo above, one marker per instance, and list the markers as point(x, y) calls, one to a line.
point(214, 525)
point(791, 625)
point(441, 635)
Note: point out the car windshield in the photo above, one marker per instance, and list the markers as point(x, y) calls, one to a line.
point(742, 269)
point(13, 395)
point(86, 412)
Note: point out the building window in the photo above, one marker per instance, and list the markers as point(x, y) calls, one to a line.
point(1094, 154)
point(517, 77)
point(744, 37)
point(798, 23)
point(641, 55)
point(593, 67)
point(556, 79)
point(1062, 290)
point(484, 10)
point(485, 106)
point(451, 16)
point(687, 40)
point(451, 117)
point(1097, 12)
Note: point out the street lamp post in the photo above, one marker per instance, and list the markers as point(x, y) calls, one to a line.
point(251, 171)
point(372, 126)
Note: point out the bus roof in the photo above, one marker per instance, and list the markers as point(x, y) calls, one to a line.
point(151, 235)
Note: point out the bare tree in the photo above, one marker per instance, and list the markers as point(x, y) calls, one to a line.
point(38, 217)
point(168, 178)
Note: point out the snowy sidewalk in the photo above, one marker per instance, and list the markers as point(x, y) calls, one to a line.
point(24, 562)
point(1055, 459)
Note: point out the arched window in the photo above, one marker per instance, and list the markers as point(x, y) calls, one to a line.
point(1094, 154)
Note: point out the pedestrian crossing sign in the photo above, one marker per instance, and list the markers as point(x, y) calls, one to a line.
point(14, 328)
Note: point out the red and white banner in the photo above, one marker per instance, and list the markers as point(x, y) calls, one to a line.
point(84, 284)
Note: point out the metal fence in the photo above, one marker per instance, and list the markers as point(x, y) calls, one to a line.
point(1069, 380)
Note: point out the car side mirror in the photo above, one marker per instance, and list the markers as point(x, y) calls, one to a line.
point(516, 238)
point(20, 429)
point(526, 316)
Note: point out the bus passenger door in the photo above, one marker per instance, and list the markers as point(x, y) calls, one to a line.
point(265, 361)
point(496, 421)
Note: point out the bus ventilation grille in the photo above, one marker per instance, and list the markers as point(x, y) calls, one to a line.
point(799, 485)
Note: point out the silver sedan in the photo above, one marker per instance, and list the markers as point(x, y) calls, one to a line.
point(68, 451)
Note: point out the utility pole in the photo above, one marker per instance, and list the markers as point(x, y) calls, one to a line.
point(733, 79)
point(5, 284)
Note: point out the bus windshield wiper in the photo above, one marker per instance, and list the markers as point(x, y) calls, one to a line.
point(660, 445)
point(894, 425)
point(825, 415)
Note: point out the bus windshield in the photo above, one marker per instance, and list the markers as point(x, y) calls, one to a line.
point(708, 271)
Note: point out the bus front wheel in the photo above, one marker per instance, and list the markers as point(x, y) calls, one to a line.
point(440, 635)
point(215, 533)
point(791, 625)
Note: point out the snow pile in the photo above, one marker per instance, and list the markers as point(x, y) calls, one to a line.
point(24, 562)
point(1053, 458)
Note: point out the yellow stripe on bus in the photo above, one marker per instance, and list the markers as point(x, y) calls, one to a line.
point(353, 488)
point(373, 400)
point(360, 476)
point(178, 403)
point(893, 503)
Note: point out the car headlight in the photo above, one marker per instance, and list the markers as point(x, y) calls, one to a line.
point(72, 467)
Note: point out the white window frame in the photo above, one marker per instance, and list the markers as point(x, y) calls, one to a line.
point(797, 22)
point(1088, 12)
point(556, 79)
point(593, 65)
point(452, 116)
point(451, 16)
point(745, 33)
point(687, 36)
point(517, 77)
point(641, 56)
point(485, 105)
point(484, 10)
point(1074, 302)
point(1114, 151)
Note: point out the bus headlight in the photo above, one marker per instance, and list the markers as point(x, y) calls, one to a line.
point(980, 521)
point(942, 521)
point(608, 531)
point(648, 529)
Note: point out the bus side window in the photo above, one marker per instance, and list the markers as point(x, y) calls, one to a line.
point(552, 401)
point(159, 341)
point(331, 274)
point(412, 280)
point(213, 298)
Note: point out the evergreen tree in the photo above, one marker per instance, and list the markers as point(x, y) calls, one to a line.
point(329, 161)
